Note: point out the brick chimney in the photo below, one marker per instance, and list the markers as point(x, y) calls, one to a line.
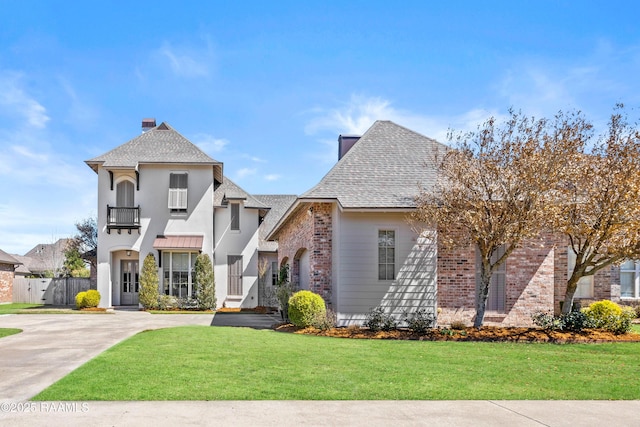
point(148, 124)
point(345, 142)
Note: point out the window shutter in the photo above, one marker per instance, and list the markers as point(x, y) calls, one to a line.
point(178, 191)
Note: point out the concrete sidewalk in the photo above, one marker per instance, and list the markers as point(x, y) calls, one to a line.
point(52, 345)
point(333, 413)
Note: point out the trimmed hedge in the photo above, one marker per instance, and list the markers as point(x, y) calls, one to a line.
point(305, 308)
point(87, 299)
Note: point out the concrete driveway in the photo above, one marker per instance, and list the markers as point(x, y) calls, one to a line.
point(52, 345)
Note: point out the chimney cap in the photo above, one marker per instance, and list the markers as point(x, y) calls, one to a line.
point(148, 124)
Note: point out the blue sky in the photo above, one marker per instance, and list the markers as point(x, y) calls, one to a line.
point(267, 87)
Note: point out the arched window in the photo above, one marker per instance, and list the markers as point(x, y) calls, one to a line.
point(125, 194)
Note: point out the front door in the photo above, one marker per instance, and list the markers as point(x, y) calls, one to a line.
point(130, 283)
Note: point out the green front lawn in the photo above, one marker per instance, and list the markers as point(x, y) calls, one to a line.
point(205, 363)
point(5, 332)
point(16, 307)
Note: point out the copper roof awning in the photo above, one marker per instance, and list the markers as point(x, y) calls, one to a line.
point(178, 242)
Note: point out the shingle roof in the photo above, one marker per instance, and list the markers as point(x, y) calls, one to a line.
point(229, 190)
point(5, 258)
point(161, 144)
point(384, 169)
point(279, 204)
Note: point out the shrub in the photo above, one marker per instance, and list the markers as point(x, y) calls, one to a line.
point(80, 300)
point(377, 320)
point(326, 321)
point(419, 321)
point(304, 307)
point(458, 325)
point(610, 316)
point(166, 302)
point(204, 283)
point(91, 298)
point(574, 321)
point(149, 283)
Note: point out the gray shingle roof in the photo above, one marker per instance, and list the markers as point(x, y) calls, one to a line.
point(279, 204)
point(5, 258)
point(384, 169)
point(162, 144)
point(229, 190)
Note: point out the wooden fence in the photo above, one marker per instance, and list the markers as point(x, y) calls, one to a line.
point(60, 291)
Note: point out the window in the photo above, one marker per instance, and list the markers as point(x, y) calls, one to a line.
point(235, 216)
point(497, 288)
point(630, 279)
point(274, 273)
point(585, 284)
point(125, 194)
point(178, 192)
point(386, 255)
point(234, 284)
point(177, 273)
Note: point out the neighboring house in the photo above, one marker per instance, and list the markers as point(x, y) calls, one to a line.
point(160, 194)
point(349, 240)
point(44, 260)
point(8, 266)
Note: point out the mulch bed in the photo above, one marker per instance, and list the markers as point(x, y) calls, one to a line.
point(484, 334)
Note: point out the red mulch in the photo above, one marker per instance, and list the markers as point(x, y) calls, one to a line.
point(485, 333)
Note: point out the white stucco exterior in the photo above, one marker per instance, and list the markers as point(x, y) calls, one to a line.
point(156, 219)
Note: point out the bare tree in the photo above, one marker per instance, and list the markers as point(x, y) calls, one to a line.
point(492, 189)
point(598, 205)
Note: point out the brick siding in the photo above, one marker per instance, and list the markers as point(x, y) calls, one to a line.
point(6, 282)
point(309, 229)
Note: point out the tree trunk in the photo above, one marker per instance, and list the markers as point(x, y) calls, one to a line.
point(572, 285)
point(481, 301)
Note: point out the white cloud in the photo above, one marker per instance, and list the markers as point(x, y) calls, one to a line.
point(183, 63)
point(272, 177)
point(14, 100)
point(244, 172)
point(208, 143)
point(357, 115)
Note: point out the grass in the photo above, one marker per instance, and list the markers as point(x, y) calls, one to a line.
point(5, 332)
point(205, 363)
point(16, 307)
point(635, 328)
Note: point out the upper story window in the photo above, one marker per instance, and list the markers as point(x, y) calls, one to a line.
point(386, 254)
point(125, 194)
point(235, 216)
point(178, 192)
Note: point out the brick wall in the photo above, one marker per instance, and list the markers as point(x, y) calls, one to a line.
point(309, 228)
point(6, 282)
point(529, 281)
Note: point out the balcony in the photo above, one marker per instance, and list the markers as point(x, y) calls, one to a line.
point(120, 218)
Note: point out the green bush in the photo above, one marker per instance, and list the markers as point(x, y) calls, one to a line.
point(204, 282)
point(305, 307)
point(91, 298)
point(419, 321)
point(149, 283)
point(377, 320)
point(80, 300)
point(609, 316)
point(574, 321)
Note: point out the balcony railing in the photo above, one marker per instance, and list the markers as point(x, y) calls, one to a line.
point(122, 218)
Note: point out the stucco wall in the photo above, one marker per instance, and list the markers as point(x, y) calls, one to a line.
point(155, 218)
